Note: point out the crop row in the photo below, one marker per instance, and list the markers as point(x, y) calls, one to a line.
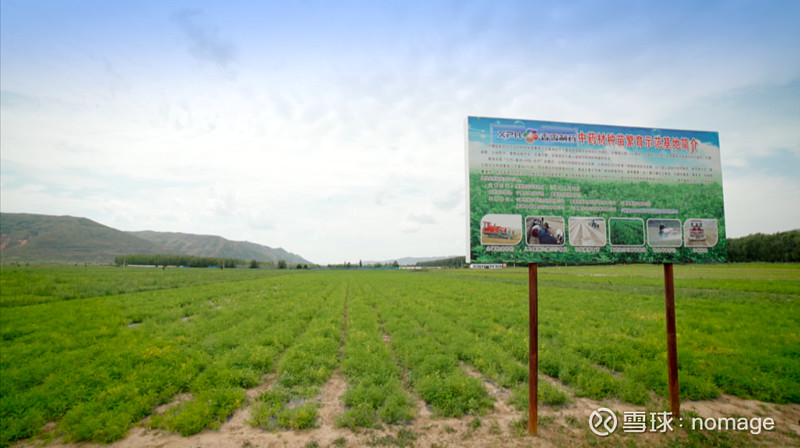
point(97, 366)
point(459, 330)
point(303, 369)
point(505, 324)
point(21, 286)
point(602, 333)
point(375, 391)
point(433, 369)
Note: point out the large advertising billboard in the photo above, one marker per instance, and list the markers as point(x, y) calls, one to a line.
point(541, 191)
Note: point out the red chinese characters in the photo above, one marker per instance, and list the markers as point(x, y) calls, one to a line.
point(593, 138)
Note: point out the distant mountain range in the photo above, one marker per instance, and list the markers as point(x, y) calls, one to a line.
point(29, 237)
point(216, 246)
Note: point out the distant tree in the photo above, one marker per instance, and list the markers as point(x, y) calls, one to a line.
point(454, 262)
point(360, 264)
point(160, 260)
point(395, 264)
point(779, 247)
point(281, 264)
point(305, 266)
point(299, 266)
point(253, 264)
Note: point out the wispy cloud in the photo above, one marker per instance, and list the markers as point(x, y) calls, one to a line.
point(449, 200)
point(10, 99)
point(205, 43)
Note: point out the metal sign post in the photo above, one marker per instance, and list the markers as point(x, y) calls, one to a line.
point(672, 344)
point(533, 348)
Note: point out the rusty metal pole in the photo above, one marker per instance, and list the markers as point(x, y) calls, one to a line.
point(533, 348)
point(672, 343)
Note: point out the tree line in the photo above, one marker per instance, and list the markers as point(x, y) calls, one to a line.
point(781, 247)
point(177, 260)
point(361, 265)
point(454, 262)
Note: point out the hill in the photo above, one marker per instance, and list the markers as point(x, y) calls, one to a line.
point(32, 237)
point(216, 246)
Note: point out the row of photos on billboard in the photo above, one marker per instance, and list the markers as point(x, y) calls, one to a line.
point(620, 157)
point(582, 231)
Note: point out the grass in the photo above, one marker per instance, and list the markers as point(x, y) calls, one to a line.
point(404, 438)
point(100, 359)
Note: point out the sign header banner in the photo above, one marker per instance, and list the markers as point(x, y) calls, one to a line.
point(540, 191)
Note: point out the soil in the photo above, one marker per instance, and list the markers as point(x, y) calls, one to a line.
point(504, 426)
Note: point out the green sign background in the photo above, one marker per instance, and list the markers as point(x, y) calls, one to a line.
point(541, 191)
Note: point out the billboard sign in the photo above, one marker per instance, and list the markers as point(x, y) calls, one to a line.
point(541, 191)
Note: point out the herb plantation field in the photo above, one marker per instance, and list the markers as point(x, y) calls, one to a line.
point(90, 353)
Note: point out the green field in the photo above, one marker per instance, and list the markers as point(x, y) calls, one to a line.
point(626, 232)
point(96, 350)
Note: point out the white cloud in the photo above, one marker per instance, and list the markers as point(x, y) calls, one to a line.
point(337, 133)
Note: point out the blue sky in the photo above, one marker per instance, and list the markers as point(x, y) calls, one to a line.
point(336, 129)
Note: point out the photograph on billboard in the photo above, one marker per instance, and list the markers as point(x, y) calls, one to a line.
point(543, 191)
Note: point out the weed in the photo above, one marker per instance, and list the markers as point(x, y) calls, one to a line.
point(546, 420)
point(572, 421)
point(475, 423)
point(519, 428)
point(404, 438)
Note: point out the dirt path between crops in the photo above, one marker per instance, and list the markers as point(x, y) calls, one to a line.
point(502, 427)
